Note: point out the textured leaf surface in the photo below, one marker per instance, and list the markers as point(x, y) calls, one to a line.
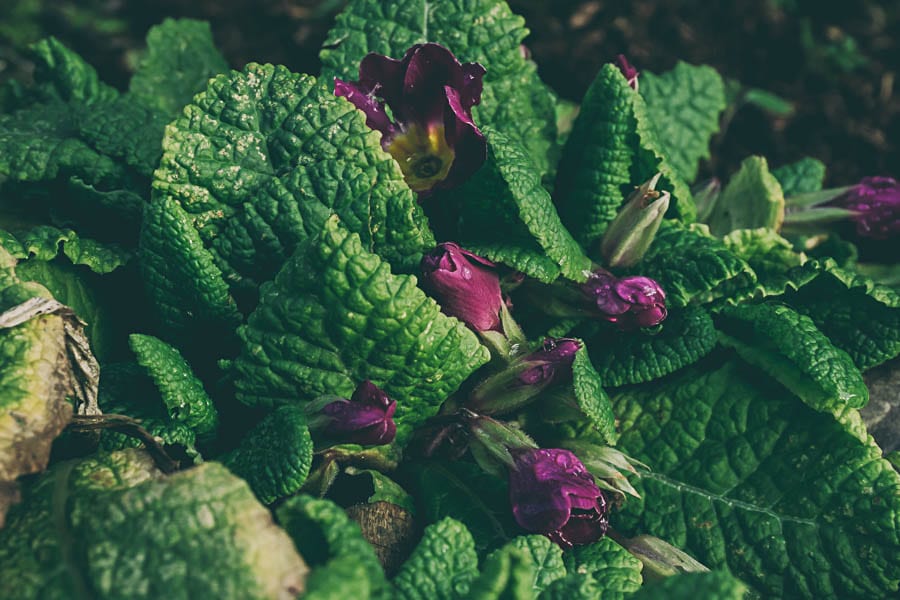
point(546, 556)
point(801, 177)
point(334, 316)
point(45, 243)
point(181, 391)
point(508, 573)
point(752, 199)
point(616, 571)
point(772, 259)
point(745, 477)
point(789, 347)
point(506, 200)
point(61, 74)
point(715, 585)
point(693, 267)
point(636, 357)
point(180, 59)
point(275, 456)
point(338, 580)
point(443, 565)
point(515, 101)
point(325, 535)
point(858, 315)
point(591, 396)
point(684, 106)
point(574, 586)
point(255, 166)
point(113, 527)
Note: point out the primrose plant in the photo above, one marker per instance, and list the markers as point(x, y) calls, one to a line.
point(416, 327)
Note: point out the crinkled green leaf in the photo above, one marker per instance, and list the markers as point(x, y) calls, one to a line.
point(546, 556)
point(694, 267)
point(45, 243)
point(60, 74)
point(180, 60)
point(801, 177)
point(252, 168)
point(616, 571)
point(515, 101)
point(684, 106)
point(522, 254)
point(574, 586)
point(275, 456)
point(112, 526)
point(443, 565)
point(383, 488)
point(508, 573)
point(591, 397)
point(747, 478)
point(338, 580)
point(858, 315)
point(714, 585)
point(789, 347)
point(335, 316)
point(624, 358)
point(325, 535)
point(772, 259)
point(506, 200)
point(181, 391)
point(752, 199)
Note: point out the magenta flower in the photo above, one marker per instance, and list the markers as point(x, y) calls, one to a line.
point(630, 302)
point(429, 128)
point(876, 202)
point(466, 286)
point(628, 70)
point(365, 419)
point(552, 493)
point(551, 363)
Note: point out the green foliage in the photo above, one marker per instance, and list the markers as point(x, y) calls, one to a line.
point(747, 478)
point(684, 105)
point(715, 585)
point(442, 567)
point(592, 399)
point(335, 316)
point(801, 177)
point(772, 259)
point(752, 199)
point(616, 571)
point(507, 573)
point(546, 557)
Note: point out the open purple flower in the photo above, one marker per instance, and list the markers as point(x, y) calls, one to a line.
point(422, 105)
point(630, 302)
point(552, 493)
point(876, 202)
point(466, 285)
point(628, 70)
point(365, 419)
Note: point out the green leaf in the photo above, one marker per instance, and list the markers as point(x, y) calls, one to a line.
point(694, 267)
point(506, 200)
point(747, 478)
point(801, 177)
point(180, 60)
point(325, 535)
point(275, 456)
point(546, 556)
point(787, 346)
point(574, 586)
point(684, 105)
point(858, 315)
point(616, 571)
point(335, 316)
point(591, 397)
point(631, 357)
point(714, 585)
point(515, 102)
point(753, 198)
point(772, 259)
point(60, 74)
point(45, 243)
point(383, 488)
point(112, 526)
point(522, 254)
point(338, 580)
point(443, 565)
point(181, 391)
point(254, 167)
point(508, 573)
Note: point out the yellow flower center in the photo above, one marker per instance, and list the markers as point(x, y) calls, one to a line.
point(423, 154)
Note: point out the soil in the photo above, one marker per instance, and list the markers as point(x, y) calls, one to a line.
point(837, 63)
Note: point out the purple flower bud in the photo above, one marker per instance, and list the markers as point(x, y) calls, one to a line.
point(876, 201)
point(552, 493)
point(465, 284)
point(429, 130)
point(365, 419)
point(552, 362)
point(630, 73)
point(630, 302)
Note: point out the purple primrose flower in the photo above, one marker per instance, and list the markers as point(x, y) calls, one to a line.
point(552, 362)
point(465, 284)
point(552, 493)
point(876, 201)
point(628, 70)
point(630, 302)
point(422, 105)
point(365, 419)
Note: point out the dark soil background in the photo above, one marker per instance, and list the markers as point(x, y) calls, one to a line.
point(836, 62)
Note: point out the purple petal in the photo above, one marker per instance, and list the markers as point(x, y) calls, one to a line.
point(467, 290)
point(383, 76)
point(470, 147)
point(376, 117)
